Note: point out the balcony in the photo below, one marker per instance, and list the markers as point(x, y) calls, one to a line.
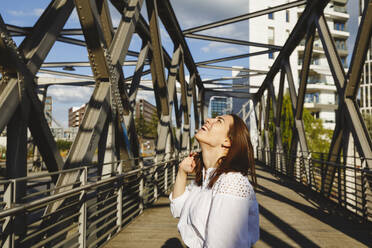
point(337, 12)
point(340, 1)
point(340, 34)
point(314, 106)
point(317, 47)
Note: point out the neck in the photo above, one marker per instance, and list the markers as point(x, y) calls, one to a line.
point(210, 155)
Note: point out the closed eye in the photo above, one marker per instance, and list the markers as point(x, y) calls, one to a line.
point(220, 119)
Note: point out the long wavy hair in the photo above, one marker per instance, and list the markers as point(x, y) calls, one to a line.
point(239, 157)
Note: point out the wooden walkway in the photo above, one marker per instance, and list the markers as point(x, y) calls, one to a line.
point(290, 216)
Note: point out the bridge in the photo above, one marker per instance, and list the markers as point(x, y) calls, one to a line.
point(104, 193)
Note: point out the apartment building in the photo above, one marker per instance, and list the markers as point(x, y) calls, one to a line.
point(321, 96)
point(75, 115)
point(366, 80)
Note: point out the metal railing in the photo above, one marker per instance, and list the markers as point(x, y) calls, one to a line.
point(97, 206)
point(349, 186)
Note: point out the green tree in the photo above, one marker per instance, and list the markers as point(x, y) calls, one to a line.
point(63, 145)
point(141, 127)
point(368, 122)
point(152, 126)
point(318, 138)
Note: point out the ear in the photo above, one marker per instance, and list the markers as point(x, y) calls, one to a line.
point(226, 143)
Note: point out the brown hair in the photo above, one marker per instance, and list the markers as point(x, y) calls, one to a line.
point(239, 158)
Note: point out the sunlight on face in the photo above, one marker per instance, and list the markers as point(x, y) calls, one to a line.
point(215, 131)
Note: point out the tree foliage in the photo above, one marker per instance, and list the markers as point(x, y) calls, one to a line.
point(63, 145)
point(368, 122)
point(147, 129)
point(318, 138)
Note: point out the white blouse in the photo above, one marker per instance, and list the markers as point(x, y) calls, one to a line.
point(225, 216)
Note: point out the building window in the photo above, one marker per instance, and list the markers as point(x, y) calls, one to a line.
point(312, 97)
point(287, 32)
point(270, 40)
point(343, 61)
point(339, 26)
point(287, 15)
point(271, 16)
point(340, 44)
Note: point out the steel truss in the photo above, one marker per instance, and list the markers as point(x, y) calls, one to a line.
point(108, 125)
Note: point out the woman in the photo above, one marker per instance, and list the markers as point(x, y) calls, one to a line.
point(218, 209)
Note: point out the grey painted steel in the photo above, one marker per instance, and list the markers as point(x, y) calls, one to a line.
point(245, 17)
point(157, 64)
point(46, 37)
point(127, 25)
point(192, 85)
point(99, 105)
point(232, 41)
point(350, 117)
point(231, 68)
point(86, 141)
point(298, 134)
point(226, 93)
point(80, 64)
point(169, 20)
point(305, 72)
point(185, 107)
point(241, 56)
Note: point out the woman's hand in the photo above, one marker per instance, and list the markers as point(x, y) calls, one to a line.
point(188, 164)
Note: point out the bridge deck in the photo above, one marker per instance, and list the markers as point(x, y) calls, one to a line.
point(289, 217)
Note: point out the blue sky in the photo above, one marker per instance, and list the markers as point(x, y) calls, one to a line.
point(25, 13)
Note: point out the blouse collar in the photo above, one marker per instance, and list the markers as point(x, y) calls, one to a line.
point(207, 174)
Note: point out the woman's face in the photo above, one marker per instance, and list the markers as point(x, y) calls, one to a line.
point(215, 131)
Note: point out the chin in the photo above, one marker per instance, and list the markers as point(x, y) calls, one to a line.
point(201, 137)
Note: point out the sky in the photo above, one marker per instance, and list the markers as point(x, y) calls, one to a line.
point(190, 13)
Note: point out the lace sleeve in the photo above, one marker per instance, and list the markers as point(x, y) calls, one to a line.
point(235, 184)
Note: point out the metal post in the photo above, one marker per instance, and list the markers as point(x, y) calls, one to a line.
point(119, 198)
point(141, 186)
point(83, 211)
point(8, 226)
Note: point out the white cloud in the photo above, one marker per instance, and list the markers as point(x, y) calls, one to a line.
point(193, 13)
point(70, 94)
point(222, 48)
point(37, 11)
point(20, 13)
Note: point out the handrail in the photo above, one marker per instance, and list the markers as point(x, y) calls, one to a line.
point(344, 184)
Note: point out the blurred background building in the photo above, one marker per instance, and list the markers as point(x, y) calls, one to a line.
point(75, 115)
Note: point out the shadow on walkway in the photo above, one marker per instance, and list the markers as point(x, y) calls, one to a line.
point(288, 195)
point(172, 243)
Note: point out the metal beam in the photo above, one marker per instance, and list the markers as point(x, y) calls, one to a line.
point(229, 58)
point(170, 22)
point(245, 17)
point(232, 41)
point(81, 64)
point(127, 26)
point(231, 68)
point(305, 72)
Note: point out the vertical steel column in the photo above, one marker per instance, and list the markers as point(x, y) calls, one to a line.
point(83, 211)
point(160, 86)
point(185, 107)
point(266, 130)
point(193, 95)
point(298, 135)
point(278, 145)
point(347, 90)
